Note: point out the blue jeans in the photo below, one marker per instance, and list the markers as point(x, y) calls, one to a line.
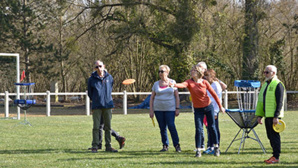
point(210, 142)
point(198, 117)
point(166, 119)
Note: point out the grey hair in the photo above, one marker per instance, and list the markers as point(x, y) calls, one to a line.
point(202, 64)
point(98, 61)
point(273, 68)
point(165, 66)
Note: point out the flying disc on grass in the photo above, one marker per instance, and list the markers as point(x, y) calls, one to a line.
point(280, 126)
point(128, 81)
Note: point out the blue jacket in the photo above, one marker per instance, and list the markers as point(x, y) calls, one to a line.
point(100, 90)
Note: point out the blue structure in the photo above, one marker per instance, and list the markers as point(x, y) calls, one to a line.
point(144, 105)
point(244, 117)
point(26, 101)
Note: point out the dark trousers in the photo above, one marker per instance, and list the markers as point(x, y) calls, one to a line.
point(273, 137)
point(198, 117)
point(101, 128)
point(210, 142)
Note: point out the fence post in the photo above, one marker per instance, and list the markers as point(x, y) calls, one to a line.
point(124, 102)
point(6, 100)
point(87, 104)
point(226, 99)
point(48, 104)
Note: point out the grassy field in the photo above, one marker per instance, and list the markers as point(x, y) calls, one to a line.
point(62, 141)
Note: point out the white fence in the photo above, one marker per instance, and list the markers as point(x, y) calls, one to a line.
point(48, 95)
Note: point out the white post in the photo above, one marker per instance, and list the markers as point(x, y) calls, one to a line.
point(87, 104)
point(6, 100)
point(17, 78)
point(226, 99)
point(18, 87)
point(48, 104)
point(124, 102)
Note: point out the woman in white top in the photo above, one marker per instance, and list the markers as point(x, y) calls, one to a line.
point(164, 103)
point(210, 76)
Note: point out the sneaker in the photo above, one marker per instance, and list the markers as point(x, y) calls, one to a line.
point(111, 150)
point(164, 148)
point(121, 141)
point(177, 147)
point(211, 152)
point(99, 147)
point(198, 154)
point(207, 151)
point(216, 151)
point(272, 160)
point(94, 150)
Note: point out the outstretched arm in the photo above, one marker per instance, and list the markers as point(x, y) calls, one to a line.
point(179, 85)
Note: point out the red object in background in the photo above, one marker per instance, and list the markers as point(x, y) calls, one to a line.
point(23, 76)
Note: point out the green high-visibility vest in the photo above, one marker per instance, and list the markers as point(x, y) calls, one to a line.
point(270, 105)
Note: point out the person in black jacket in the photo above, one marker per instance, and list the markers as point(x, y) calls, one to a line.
point(100, 86)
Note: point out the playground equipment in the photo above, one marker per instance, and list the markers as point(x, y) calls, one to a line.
point(26, 100)
point(244, 117)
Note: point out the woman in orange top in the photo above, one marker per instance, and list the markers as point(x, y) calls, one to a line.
point(198, 87)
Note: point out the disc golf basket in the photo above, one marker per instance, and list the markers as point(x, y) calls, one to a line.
point(26, 100)
point(244, 117)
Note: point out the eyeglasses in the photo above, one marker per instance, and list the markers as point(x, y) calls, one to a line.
point(99, 66)
point(161, 71)
point(266, 72)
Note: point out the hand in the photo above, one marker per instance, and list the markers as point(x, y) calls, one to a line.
point(223, 110)
point(171, 84)
point(151, 114)
point(177, 112)
point(275, 121)
point(260, 120)
point(215, 117)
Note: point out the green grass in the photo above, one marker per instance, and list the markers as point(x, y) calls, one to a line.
point(62, 141)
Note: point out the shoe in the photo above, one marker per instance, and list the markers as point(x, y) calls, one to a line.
point(164, 148)
point(207, 151)
point(99, 147)
point(216, 151)
point(111, 150)
point(121, 141)
point(272, 160)
point(94, 150)
point(198, 154)
point(177, 147)
point(211, 152)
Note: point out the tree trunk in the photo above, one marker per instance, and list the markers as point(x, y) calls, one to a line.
point(251, 40)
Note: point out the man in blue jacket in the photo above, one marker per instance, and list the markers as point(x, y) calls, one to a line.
point(100, 86)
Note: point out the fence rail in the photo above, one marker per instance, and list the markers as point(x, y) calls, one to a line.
point(48, 95)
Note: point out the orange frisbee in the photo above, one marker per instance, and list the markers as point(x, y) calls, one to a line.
point(128, 81)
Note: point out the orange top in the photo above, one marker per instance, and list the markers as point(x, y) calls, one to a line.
point(198, 92)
